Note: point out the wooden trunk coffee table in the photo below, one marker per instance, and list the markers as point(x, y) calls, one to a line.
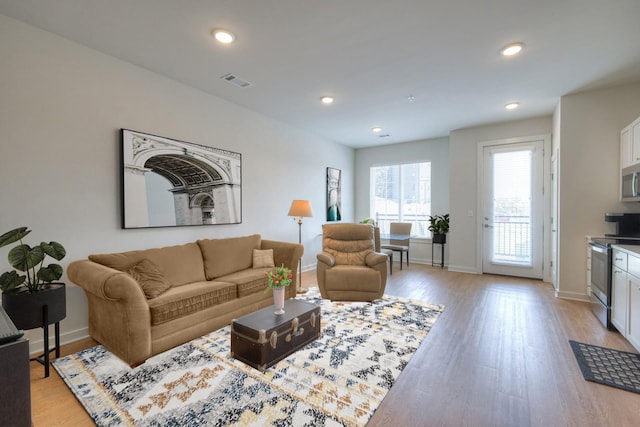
point(262, 339)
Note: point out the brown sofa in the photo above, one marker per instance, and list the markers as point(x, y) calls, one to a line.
point(144, 302)
point(349, 269)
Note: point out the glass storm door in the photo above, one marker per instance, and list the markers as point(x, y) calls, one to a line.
point(513, 209)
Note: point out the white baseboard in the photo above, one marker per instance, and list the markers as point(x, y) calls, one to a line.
point(462, 269)
point(573, 296)
point(36, 346)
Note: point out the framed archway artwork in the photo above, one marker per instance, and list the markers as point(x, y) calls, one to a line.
point(168, 183)
point(334, 196)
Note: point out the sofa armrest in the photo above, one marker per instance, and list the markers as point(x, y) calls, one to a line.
point(287, 254)
point(105, 282)
point(326, 258)
point(374, 258)
point(119, 316)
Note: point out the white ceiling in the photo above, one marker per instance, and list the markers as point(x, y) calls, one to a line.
point(371, 55)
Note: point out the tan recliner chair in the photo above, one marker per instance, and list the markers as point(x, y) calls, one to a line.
point(348, 267)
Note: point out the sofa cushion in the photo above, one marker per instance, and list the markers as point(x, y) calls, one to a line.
point(248, 281)
point(263, 258)
point(179, 264)
point(225, 256)
point(149, 277)
point(183, 300)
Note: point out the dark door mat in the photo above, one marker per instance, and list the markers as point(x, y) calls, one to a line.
point(615, 368)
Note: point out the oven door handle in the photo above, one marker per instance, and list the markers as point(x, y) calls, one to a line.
point(598, 249)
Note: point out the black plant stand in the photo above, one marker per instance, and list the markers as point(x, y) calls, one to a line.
point(442, 253)
point(43, 359)
point(39, 310)
point(439, 239)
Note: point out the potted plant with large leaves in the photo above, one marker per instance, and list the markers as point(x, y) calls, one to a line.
point(439, 227)
point(28, 297)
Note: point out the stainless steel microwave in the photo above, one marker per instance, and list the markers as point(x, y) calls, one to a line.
point(630, 184)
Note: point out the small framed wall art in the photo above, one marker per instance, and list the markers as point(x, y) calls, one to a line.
point(168, 183)
point(334, 197)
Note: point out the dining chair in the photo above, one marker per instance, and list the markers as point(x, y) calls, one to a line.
point(402, 232)
point(387, 252)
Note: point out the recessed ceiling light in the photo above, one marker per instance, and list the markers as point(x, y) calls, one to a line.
point(327, 99)
point(512, 105)
point(376, 129)
point(512, 49)
point(223, 36)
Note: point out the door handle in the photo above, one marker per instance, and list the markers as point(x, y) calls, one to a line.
point(488, 226)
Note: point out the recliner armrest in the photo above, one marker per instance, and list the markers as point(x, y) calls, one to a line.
point(374, 258)
point(326, 258)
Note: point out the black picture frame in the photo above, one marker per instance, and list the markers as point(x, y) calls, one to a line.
point(334, 194)
point(169, 183)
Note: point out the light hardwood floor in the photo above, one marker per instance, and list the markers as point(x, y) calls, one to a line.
point(497, 356)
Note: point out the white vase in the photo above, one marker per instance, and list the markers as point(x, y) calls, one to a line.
point(278, 300)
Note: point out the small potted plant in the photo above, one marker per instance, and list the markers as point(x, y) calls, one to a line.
point(25, 295)
point(277, 280)
point(369, 221)
point(439, 227)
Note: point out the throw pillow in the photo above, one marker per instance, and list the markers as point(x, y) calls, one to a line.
point(263, 258)
point(149, 277)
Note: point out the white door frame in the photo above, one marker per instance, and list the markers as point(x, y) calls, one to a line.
point(546, 197)
point(554, 227)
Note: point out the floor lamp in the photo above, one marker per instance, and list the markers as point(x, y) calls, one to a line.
point(300, 209)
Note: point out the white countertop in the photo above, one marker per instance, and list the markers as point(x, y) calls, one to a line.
point(631, 249)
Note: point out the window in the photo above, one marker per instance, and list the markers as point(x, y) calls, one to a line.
point(402, 193)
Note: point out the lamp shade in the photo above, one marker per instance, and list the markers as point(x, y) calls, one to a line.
point(300, 208)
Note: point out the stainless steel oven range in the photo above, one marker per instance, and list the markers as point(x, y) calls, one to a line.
point(601, 266)
point(627, 233)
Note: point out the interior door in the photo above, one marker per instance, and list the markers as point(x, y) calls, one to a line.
point(513, 209)
point(554, 220)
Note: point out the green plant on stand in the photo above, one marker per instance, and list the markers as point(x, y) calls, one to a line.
point(31, 299)
point(30, 260)
point(439, 227)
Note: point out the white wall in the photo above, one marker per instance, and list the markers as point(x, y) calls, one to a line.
point(590, 124)
point(435, 151)
point(61, 109)
point(463, 145)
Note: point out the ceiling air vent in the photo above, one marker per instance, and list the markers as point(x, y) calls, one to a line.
point(233, 79)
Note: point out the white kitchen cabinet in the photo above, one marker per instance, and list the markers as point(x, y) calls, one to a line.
point(633, 326)
point(620, 299)
point(630, 144)
point(625, 293)
point(625, 148)
point(620, 259)
point(634, 135)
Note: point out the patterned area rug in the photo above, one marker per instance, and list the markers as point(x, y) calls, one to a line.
point(337, 380)
point(615, 368)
